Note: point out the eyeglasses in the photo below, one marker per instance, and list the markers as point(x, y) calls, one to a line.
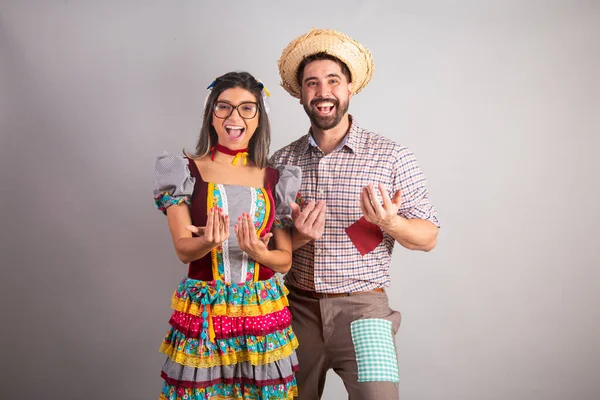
point(247, 110)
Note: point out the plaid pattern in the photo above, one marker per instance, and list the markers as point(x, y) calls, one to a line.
point(332, 264)
point(375, 351)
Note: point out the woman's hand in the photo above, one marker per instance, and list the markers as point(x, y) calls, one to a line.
point(216, 230)
point(247, 238)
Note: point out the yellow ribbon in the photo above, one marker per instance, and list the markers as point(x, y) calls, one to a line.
point(240, 156)
point(211, 327)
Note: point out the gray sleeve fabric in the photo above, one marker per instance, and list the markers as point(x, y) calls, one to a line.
point(286, 190)
point(173, 182)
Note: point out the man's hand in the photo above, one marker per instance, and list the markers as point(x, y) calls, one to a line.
point(383, 215)
point(310, 222)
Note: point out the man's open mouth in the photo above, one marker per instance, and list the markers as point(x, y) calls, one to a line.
point(324, 108)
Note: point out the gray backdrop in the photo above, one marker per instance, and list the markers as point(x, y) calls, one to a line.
point(499, 100)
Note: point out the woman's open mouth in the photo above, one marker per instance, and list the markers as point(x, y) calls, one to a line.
point(234, 131)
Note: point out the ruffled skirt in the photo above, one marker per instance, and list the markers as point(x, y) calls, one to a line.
point(229, 341)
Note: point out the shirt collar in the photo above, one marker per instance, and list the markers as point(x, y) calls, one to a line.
point(351, 139)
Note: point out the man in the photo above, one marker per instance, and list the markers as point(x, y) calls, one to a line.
point(364, 193)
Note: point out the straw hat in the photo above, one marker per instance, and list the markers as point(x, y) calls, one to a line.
point(349, 51)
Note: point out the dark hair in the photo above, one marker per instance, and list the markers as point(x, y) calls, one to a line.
point(258, 148)
point(317, 57)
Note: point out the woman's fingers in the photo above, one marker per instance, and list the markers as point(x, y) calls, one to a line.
point(245, 230)
point(216, 225)
point(225, 225)
point(208, 233)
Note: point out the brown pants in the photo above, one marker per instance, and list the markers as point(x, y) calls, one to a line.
point(323, 330)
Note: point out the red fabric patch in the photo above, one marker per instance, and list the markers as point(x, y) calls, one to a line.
point(364, 235)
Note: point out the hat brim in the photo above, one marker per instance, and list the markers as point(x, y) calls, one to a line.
point(357, 58)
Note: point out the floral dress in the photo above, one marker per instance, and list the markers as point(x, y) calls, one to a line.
point(230, 333)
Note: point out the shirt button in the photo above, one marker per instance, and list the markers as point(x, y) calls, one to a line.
point(317, 251)
point(321, 191)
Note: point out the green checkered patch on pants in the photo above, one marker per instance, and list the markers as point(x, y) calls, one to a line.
point(375, 351)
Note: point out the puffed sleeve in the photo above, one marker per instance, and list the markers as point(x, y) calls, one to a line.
point(173, 183)
point(286, 191)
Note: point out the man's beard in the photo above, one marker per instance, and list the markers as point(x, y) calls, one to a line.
point(330, 121)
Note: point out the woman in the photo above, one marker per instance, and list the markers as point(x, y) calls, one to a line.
point(231, 335)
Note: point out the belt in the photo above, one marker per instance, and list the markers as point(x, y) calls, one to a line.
point(317, 295)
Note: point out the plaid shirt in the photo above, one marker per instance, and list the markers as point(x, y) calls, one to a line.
point(332, 264)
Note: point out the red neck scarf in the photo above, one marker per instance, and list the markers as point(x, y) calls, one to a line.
point(241, 154)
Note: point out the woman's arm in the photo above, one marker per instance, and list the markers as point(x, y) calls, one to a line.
point(189, 248)
point(279, 259)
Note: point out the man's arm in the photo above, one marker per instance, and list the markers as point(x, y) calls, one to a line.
point(413, 233)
